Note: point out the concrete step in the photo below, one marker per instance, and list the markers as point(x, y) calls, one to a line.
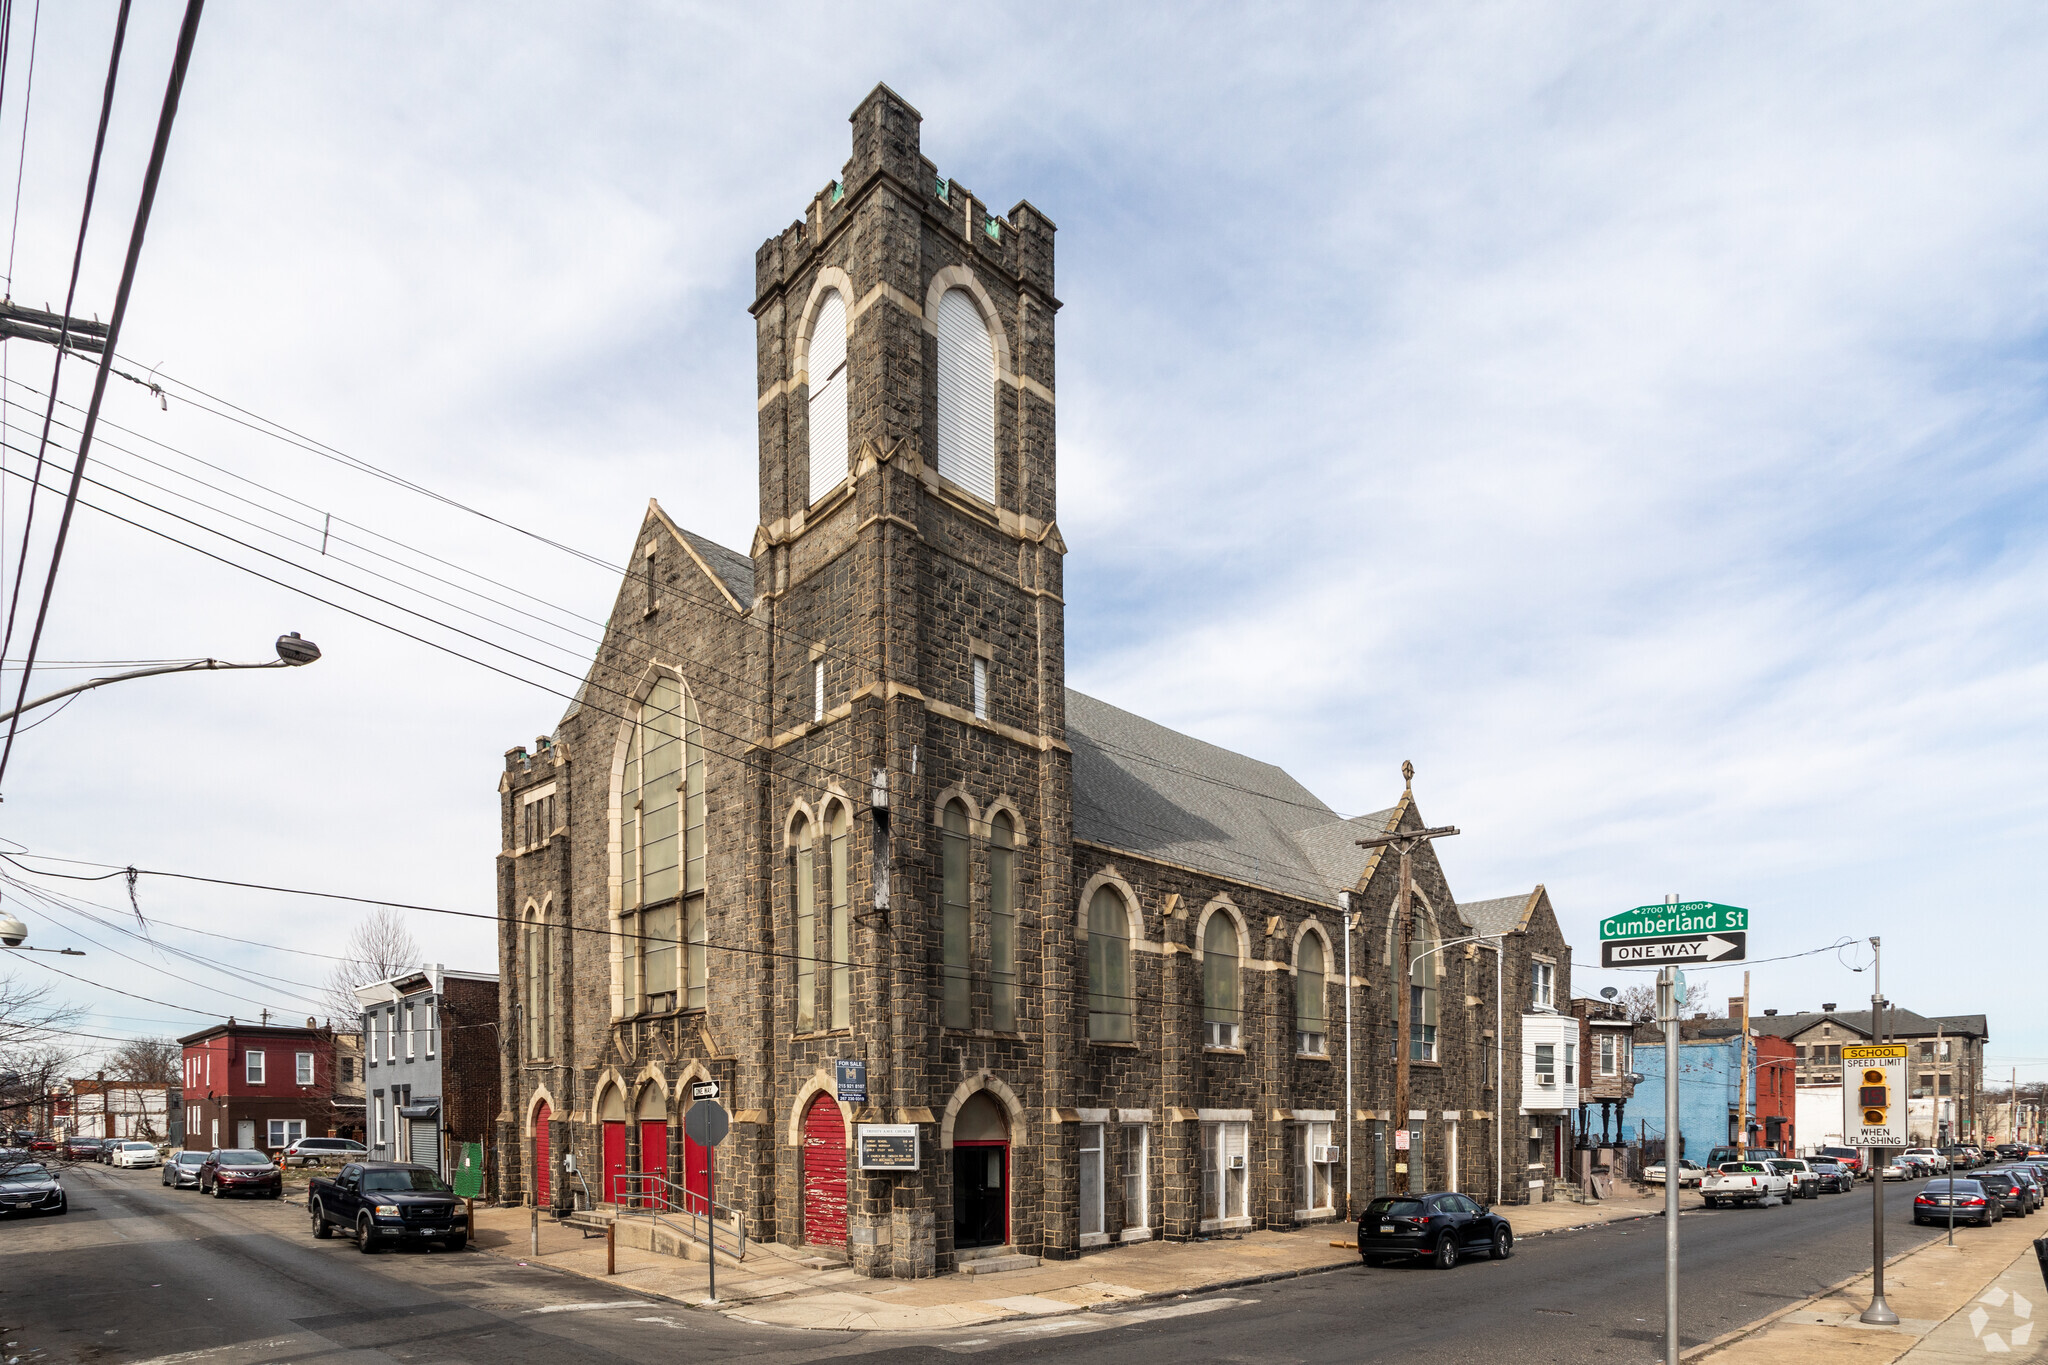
point(996, 1265)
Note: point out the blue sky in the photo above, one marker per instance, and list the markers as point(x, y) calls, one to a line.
point(1632, 415)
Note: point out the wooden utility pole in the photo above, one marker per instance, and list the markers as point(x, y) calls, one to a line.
point(1742, 1096)
point(1403, 841)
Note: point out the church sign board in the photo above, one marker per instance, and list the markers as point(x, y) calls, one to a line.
point(886, 1146)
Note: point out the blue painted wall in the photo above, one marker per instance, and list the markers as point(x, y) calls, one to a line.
point(1707, 1075)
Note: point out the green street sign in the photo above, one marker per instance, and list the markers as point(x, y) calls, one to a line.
point(1673, 921)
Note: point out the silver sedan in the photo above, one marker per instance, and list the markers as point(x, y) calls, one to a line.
point(181, 1169)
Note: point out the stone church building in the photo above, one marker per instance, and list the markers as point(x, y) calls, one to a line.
point(826, 826)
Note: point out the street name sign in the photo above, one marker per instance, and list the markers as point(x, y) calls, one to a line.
point(1657, 935)
point(1874, 1095)
point(1656, 952)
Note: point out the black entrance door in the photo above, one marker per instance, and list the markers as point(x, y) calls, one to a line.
point(981, 1197)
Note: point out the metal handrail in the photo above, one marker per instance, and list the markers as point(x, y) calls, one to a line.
point(647, 1194)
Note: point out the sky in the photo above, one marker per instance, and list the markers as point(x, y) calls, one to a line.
point(1631, 414)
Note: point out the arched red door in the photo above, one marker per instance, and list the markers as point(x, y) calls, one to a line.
point(653, 1155)
point(824, 1174)
point(541, 1118)
point(696, 1175)
point(614, 1160)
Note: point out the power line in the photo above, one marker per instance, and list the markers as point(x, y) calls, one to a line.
point(188, 33)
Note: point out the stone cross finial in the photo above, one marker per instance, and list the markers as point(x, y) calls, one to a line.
point(1407, 775)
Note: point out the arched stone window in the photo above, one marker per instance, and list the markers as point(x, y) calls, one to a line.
point(806, 897)
point(967, 396)
point(1110, 992)
point(1422, 988)
point(1222, 998)
point(539, 994)
point(841, 948)
point(826, 367)
point(1311, 1027)
point(661, 852)
point(957, 930)
point(1002, 921)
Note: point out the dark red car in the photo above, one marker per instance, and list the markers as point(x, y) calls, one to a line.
point(237, 1170)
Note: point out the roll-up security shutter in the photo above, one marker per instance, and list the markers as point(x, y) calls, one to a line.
point(827, 370)
point(425, 1142)
point(967, 396)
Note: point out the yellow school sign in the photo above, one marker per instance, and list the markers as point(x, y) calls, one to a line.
point(1874, 1095)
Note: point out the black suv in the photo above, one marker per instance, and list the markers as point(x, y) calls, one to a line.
point(2011, 1195)
point(1440, 1227)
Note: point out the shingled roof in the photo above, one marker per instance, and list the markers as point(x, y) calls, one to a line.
point(1900, 1023)
point(1502, 915)
point(1142, 787)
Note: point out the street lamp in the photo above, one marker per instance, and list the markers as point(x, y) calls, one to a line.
point(293, 651)
point(1499, 944)
point(13, 934)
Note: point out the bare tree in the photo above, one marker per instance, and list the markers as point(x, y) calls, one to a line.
point(381, 947)
point(37, 1051)
point(1639, 1004)
point(146, 1059)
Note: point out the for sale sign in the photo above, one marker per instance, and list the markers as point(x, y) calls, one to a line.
point(1874, 1095)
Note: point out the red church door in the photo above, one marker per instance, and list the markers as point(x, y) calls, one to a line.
point(614, 1160)
point(824, 1174)
point(653, 1157)
point(696, 1175)
point(541, 1119)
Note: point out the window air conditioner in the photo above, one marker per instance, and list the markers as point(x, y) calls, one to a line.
point(1329, 1156)
point(1237, 1163)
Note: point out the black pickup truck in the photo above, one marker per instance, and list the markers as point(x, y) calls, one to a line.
point(380, 1202)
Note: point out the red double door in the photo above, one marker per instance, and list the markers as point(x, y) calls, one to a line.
point(541, 1118)
point(653, 1161)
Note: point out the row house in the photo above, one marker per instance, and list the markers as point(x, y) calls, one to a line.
point(257, 1086)
point(430, 1058)
point(826, 827)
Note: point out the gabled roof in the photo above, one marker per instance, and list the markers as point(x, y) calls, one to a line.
point(1900, 1023)
point(1503, 914)
point(1144, 788)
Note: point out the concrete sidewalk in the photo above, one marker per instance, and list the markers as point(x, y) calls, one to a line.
point(1966, 1302)
point(774, 1286)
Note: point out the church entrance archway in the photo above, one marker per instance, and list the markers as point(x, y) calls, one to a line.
point(652, 1113)
point(824, 1173)
point(981, 1174)
point(612, 1110)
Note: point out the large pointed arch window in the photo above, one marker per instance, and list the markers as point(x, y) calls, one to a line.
point(1422, 1007)
point(1109, 969)
point(540, 994)
point(1002, 921)
point(661, 852)
point(1311, 1029)
point(806, 888)
point(956, 933)
point(826, 366)
point(1222, 1003)
point(967, 396)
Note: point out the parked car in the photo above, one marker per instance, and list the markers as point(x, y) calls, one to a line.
point(1899, 1168)
point(383, 1202)
point(2029, 1177)
point(1724, 1154)
point(1848, 1156)
point(1835, 1178)
point(1928, 1157)
point(132, 1154)
point(1953, 1200)
point(2011, 1151)
point(1439, 1227)
point(1690, 1173)
point(43, 1144)
point(238, 1170)
point(1744, 1182)
point(307, 1151)
point(1960, 1156)
point(181, 1169)
point(2012, 1196)
point(81, 1148)
point(1805, 1181)
point(31, 1188)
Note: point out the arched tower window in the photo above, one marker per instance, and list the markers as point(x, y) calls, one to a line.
point(661, 851)
point(540, 998)
point(827, 370)
point(1311, 1030)
point(967, 396)
point(1002, 921)
point(956, 932)
point(1222, 1008)
point(842, 917)
point(806, 928)
point(1109, 969)
point(1422, 1008)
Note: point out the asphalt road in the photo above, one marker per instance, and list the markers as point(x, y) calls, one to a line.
point(140, 1274)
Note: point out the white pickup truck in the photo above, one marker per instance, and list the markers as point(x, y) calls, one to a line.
point(1745, 1182)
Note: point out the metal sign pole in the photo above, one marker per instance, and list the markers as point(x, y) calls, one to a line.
point(711, 1215)
point(1667, 1014)
point(1880, 1313)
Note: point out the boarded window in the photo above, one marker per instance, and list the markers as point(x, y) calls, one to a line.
point(1221, 1011)
point(1109, 969)
point(1310, 1030)
point(827, 370)
point(967, 396)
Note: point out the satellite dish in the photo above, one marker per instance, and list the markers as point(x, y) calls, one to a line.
point(1608, 992)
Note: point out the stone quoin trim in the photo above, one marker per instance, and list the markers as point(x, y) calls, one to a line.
point(820, 1084)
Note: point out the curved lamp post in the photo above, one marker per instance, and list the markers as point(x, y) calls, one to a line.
point(293, 651)
point(1499, 942)
point(14, 934)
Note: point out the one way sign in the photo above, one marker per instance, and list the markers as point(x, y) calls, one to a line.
point(1655, 952)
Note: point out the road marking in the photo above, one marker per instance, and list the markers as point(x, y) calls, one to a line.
point(666, 1322)
point(182, 1356)
point(591, 1307)
point(1175, 1310)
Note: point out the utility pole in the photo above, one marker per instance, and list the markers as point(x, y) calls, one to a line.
point(1403, 841)
point(35, 324)
point(1742, 1095)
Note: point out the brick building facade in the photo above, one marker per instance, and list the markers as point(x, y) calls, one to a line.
point(259, 1086)
point(831, 801)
